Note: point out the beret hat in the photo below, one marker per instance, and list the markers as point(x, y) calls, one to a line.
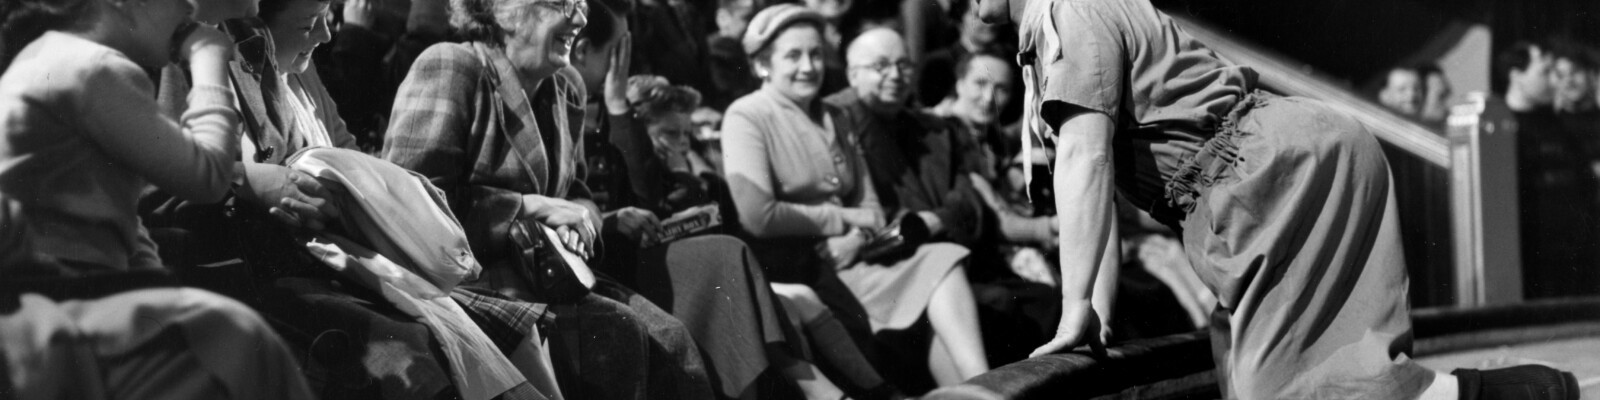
point(772, 20)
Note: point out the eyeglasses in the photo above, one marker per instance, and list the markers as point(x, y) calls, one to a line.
point(568, 8)
point(882, 66)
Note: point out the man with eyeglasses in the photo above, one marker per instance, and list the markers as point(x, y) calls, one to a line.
point(920, 164)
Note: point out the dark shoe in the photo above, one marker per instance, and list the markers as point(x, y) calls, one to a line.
point(1517, 383)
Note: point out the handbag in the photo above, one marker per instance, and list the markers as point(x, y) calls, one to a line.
point(556, 275)
point(893, 242)
point(896, 240)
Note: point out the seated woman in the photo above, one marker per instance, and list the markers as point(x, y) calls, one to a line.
point(800, 183)
point(982, 90)
point(86, 308)
point(494, 123)
point(352, 336)
point(735, 328)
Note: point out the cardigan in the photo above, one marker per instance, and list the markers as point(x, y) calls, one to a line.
point(789, 176)
point(82, 135)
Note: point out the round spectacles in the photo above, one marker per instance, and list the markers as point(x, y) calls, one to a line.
point(568, 8)
point(882, 66)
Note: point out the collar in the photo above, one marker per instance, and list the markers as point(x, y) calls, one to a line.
point(252, 43)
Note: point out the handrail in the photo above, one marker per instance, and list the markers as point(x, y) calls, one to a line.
point(1179, 366)
point(1283, 77)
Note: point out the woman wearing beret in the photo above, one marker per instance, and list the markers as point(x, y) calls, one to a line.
point(799, 183)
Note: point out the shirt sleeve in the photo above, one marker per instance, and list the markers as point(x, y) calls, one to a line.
point(1081, 58)
point(748, 171)
point(191, 158)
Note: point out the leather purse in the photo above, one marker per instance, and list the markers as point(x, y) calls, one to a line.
point(557, 276)
point(896, 240)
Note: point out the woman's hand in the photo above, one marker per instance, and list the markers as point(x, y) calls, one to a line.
point(212, 12)
point(636, 224)
point(573, 223)
point(1080, 325)
point(307, 205)
point(842, 250)
point(294, 197)
point(616, 89)
point(865, 218)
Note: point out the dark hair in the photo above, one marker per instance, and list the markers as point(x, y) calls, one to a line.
point(653, 96)
point(1515, 58)
point(1580, 55)
point(602, 26)
point(22, 21)
point(474, 21)
point(764, 56)
point(965, 65)
point(269, 9)
point(1427, 68)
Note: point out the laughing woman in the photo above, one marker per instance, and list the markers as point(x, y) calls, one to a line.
point(494, 122)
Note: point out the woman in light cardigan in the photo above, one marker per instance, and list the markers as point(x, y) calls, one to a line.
point(799, 182)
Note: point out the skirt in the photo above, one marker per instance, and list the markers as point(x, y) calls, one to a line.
point(896, 295)
point(715, 286)
point(1291, 221)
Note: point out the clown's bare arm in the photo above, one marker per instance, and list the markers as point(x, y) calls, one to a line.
point(1088, 222)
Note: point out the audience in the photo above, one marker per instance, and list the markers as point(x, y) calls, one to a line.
point(728, 65)
point(87, 308)
point(1556, 187)
point(369, 56)
point(1420, 92)
point(936, 78)
point(1573, 75)
point(922, 164)
point(288, 110)
point(930, 25)
point(465, 117)
point(671, 35)
point(603, 120)
point(1436, 96)
point(643, 143)
point(1403, 91)
point(798, 178)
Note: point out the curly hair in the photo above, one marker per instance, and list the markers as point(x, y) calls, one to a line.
point(22, 21)
point(476, 21)
point(653, 96)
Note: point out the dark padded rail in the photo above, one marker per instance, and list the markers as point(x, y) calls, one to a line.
point(1179, 366)
point(1455, 329)
point(1176, 366)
